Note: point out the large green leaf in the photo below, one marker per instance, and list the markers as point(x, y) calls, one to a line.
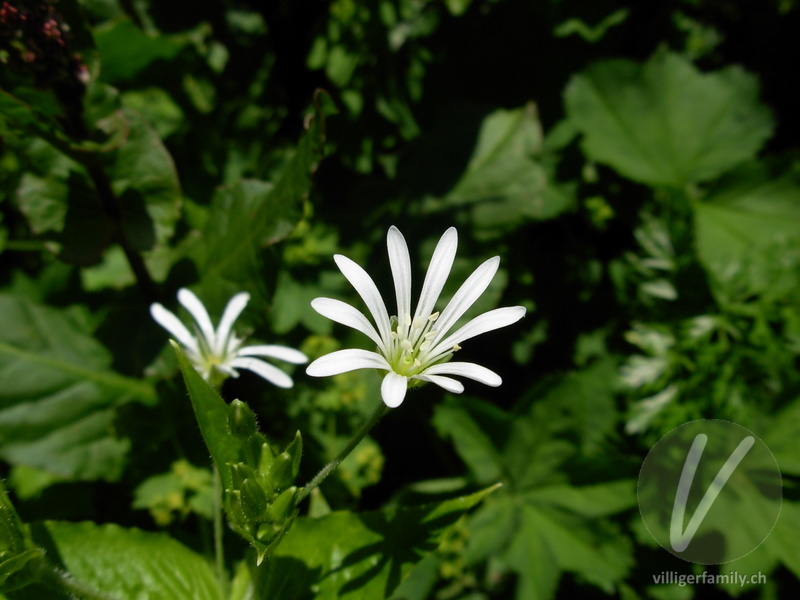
point(144, 179)
point(664, 122)
point(59, 396)
point(540, 524)
point(123, 564)
point(249, 215)
point(212, 416)
point(745, 214)
point(357, 556)
point(126, 50)
point(506, 181)
point(62, 203)
point(62, 207)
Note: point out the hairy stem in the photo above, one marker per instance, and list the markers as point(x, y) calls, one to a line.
point(381, 410)
point(219, 554)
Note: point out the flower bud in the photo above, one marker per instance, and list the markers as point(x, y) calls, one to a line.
point(283, 506)
point(254, 501)
point(241, 420)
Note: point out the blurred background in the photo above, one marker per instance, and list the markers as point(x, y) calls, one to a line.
point(634, 165)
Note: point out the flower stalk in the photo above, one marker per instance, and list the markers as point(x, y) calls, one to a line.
point(371, 421)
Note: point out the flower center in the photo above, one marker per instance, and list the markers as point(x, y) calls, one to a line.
point(411, 343)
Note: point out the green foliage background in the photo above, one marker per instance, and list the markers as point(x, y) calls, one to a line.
point(633, 163)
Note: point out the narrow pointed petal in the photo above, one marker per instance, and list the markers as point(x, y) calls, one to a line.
point(269, 372)
point(451, 385)
point(232, 311)
point(393, 389)
point(400, 262)
point(280, 352)
point(343, 313)
point(173, 325)
point(466, 296)
point(199, 313)
point(488, 321)
point(343, 361)
point(369, 293)
point(439, 269)
point(469, 370)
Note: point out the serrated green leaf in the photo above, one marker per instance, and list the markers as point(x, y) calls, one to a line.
point(62, 206)
point(746, 213)
point(128, 563)
point(62, 203)
point(144, 178)
point(59, 399)
point(357, 556)
point(251, 214)
point(474, 445)
point(505, 181)
point(566, 542)
point(664, 122)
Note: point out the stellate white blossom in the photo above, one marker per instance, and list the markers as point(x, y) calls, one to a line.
point(218, 353)
point(413, 346)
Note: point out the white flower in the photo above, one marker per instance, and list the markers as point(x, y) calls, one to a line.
point(217, 353)
point(414, 347)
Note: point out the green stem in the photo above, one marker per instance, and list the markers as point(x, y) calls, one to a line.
point(111, 207)
point(59, 580)
point(219, 554)
point(381, 410)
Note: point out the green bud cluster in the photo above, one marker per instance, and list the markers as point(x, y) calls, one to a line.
point(261, 500)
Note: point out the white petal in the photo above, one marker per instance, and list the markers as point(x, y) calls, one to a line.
point(171, 323)
point(451, 385)
point(439, 269)
point(465, 369)
point(267, 371)
point(465, 297)
point(343, 361)
point(343, 313)
point(280, 352)
point(232, 311)
point(366, 288)
point(488, 321)
point(400, 262)
point(393, 389)
point(198, 311)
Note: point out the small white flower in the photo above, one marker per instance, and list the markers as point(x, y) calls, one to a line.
point(414, 347)
point(217, 353)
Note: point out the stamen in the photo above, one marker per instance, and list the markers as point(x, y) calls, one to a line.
point(393, 335)
point(431, 334)
point(425, 345)
point(408, 320)
point(434, 316)
point(418, 322)
point(417, 363)
point(456, 348)
point(406, 345)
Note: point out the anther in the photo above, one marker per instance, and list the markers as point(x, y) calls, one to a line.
point(434, 316)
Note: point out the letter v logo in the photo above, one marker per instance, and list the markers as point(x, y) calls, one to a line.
point(680, 538)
